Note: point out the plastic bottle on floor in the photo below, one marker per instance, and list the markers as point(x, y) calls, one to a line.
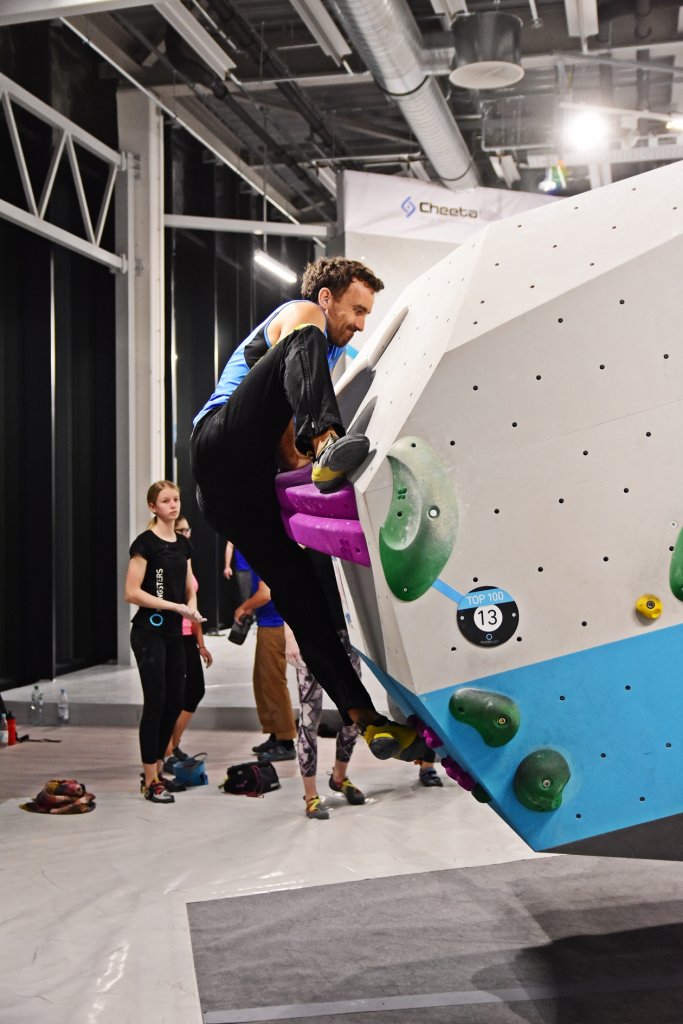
point(35, 710)
point(63, 707)
point(4, 734)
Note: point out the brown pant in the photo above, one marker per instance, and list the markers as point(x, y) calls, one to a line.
point(273, 703)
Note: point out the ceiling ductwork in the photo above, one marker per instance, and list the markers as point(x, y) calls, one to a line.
point(386, 36)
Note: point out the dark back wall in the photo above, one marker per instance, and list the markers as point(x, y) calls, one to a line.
point(215, 296)
point(57, 461)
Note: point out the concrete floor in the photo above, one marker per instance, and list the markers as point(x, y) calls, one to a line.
point(94, 907)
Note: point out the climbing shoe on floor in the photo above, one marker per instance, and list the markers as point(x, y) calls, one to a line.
point(347, 789)
point(170, 785)
point(157, 793)
point(263, 748)
point(429, 777)
point(173, 786)
point(315, 809)
point(278, 753)
point(337, 457)
point(389, 739)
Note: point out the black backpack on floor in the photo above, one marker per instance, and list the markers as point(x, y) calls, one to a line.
point(253, 778)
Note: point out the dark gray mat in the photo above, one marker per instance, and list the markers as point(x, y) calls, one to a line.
point(562, 940)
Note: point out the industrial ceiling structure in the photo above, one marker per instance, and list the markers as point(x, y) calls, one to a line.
point(289, 92)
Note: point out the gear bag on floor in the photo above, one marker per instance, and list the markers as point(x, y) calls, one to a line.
point(253, 778)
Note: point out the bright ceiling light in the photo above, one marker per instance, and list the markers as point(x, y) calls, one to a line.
point(274, 267)
point(676, 123)
point(586, 130)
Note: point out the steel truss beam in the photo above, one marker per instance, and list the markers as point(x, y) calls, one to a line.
point(66, 135)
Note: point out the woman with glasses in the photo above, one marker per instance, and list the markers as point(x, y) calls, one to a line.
point(160, 582)
point(195, 653)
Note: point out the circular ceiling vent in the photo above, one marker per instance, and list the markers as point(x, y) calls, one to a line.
point(487, 50)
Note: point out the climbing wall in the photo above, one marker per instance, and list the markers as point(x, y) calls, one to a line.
point(522, 506)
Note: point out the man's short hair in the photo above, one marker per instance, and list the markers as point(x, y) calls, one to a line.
point(336, 273)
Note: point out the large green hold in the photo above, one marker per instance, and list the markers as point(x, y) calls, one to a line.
point(540, 779)
point(676, 569)
point(418, 535)
point(495, 717)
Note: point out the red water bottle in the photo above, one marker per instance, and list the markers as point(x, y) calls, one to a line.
point(11, 729)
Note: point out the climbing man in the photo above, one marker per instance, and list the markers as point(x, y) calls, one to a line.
point(274, 407)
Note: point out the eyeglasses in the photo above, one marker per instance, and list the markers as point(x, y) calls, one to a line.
point(185, 530)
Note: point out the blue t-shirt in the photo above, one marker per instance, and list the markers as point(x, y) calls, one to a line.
point(247, 353)
point(267, 614)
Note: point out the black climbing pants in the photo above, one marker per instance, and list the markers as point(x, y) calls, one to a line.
point(161, 663)
point(233, 452)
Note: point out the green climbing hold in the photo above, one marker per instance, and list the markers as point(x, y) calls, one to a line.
point(495, 717)
point(480, 795)
point(676, 569)
point(540, 779)
point(418, 535)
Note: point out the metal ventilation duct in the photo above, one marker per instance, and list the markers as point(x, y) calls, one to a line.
point(386, 36)
point(488, 53)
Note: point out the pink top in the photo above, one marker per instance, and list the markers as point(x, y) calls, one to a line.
point(187, 625)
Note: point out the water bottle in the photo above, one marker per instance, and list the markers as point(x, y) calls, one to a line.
point(63, 707)
point(238, 633)
point(35, 709)
point(4, 734)
point(11, 729)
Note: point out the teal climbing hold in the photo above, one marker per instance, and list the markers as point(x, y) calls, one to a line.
point(418, 535)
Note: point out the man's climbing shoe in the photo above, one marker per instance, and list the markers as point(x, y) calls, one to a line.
point(268, 744)
point(429, 777)
point(281, 751)
point(347, 789)
point(337, 457)
point(389, 739)
point(315, 809)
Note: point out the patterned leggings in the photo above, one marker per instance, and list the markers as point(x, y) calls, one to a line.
point(311, 704)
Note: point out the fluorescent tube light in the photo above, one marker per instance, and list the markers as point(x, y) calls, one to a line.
point(189, 29)
point(322, 28)
point(274, 267)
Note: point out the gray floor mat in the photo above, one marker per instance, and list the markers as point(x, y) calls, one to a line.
point(562, 940)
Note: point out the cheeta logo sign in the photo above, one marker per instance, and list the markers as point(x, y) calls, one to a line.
point(409, 208)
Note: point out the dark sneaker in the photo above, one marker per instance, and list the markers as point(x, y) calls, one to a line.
point(157, 793)
point(389, 739)
point(263, 748)
point(278, 753)
point(347, 789)
point(169, 763)
point(315, 809)
point(337, 457)
point(179, 754)
point(430, 777)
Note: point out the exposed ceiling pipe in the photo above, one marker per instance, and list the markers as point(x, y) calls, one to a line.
point(387, 37)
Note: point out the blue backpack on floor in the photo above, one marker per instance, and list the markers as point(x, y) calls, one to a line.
point(191, 771)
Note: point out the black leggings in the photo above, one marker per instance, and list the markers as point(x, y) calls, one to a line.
point(233, 461)
point(161, 663)
point(194, 675)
